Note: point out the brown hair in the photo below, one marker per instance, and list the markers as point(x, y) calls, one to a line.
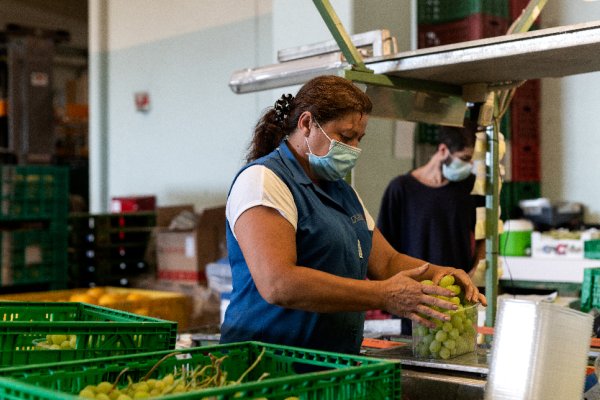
point(326, 97)
point(458, 138)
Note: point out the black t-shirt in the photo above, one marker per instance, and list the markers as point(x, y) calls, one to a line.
point(433, 224)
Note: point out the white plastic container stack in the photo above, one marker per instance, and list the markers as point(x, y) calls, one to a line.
point(218, 275)
point(539, 352)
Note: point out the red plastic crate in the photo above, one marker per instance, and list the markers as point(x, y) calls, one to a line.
point(525, 159)
point(525, 111)
point(476, 26)
point(531, 90)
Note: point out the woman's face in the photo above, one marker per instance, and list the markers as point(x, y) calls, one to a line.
point(349, 129)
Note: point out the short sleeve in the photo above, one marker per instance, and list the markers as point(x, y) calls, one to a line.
point(257, 185)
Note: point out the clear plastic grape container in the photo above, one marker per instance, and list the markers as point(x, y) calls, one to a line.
point(448, 339)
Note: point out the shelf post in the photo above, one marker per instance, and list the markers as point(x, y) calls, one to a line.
point(491, 218)
point(340, 35)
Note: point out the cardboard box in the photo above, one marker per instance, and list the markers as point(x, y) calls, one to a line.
point(543, 246)
point(182, 255)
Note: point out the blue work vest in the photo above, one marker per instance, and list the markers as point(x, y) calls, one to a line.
point(332, 236)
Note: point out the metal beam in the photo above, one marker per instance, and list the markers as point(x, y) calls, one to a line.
point(340, 35)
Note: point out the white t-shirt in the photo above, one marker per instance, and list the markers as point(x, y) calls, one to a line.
point(257, 185)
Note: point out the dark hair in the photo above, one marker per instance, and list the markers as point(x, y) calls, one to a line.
point(458, 138)
point(326, 97)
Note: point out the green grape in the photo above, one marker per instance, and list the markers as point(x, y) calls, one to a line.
point(440, 336)
point(124, 397)
point(427, 282)
point(421, 330)
point(114, 395)
point(423, 350)
point(454, 333)
point(104, 387)
point(446, 281)
point(168, 379)
point(445, 353)
point(450, 344)
point(102, 396)
point(455, 288)
point(58, 339)
point(455, 318)
point(142, 386)
point(447, 326)
point(435, 346)
point(428, 339)
point(455, 300)
point(87, 394)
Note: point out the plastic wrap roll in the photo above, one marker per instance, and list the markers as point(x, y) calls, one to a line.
point(539, 352)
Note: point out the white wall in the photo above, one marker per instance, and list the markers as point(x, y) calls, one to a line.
point(570, 133)
point(190, 144)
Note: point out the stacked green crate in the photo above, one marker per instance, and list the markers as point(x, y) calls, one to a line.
point(512, 193)
point(33, 225)
point(440, 11)
point(108, 249)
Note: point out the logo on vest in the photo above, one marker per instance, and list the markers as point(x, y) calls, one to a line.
point(357, 218)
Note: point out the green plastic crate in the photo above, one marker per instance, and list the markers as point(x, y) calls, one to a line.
point(306, 374)
point(99, 331)
point(428, 133)
point(439, 11)
point(34, 193)
point(33, 256)
point(512, 193)
point(591, 249)
point(590, 289)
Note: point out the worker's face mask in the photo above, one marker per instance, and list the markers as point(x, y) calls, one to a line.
point(338, 161)
point(457, 169)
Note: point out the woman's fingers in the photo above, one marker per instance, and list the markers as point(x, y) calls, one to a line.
point(436, 290)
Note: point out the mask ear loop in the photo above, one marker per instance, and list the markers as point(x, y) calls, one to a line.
point(324, 133)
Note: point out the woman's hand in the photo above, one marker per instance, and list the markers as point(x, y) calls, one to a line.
point(406, 297)
point(463, 279)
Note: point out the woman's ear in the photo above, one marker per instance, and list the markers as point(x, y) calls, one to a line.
point(304, 123)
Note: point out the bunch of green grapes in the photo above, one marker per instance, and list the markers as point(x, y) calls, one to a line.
point(451, 338)
point(140, 390)
point(57, 342)
point(182, 381)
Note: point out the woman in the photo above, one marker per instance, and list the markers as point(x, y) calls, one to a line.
point(301, 242)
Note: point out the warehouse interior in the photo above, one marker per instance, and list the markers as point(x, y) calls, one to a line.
point(135, 111)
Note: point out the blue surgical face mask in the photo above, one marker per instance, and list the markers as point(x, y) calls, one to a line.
point(457, 170)
point(338, 161)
